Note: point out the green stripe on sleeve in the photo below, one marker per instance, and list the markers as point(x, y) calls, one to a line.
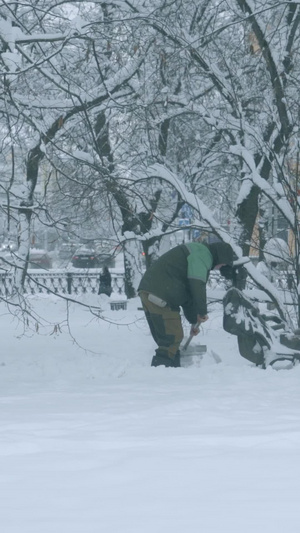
point(199, 261)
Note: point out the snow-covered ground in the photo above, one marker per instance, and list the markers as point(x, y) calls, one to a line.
point(94, 440)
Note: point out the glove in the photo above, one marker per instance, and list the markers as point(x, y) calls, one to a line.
point(195, 327)
point(227, 271)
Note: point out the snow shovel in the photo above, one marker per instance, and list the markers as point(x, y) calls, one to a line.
point(197, 350)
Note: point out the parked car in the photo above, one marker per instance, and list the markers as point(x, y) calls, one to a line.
point(105, 259)
point(85, 258)
point(105, 254)
point(39, 258)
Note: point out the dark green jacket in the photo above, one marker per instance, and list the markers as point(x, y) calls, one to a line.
point(179, 276)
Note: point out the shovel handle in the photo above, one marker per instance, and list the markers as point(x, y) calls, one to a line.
point(191, 336)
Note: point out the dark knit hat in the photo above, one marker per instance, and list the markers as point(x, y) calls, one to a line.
point(221, 252)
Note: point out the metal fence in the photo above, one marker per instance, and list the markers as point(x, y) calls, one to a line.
point(60, 282)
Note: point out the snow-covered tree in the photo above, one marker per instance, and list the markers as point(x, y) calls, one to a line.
point(143, 98)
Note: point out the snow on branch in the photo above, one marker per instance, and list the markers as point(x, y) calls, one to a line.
point(13, 35)
point(270, 61)
point(279, 200)
point(193, 200)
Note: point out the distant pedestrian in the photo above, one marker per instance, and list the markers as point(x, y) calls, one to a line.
point(105, 282)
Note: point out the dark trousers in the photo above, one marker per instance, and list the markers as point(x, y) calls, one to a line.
point(165, 326)
point(105, 289)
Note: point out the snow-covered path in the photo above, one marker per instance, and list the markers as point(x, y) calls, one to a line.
point(101, 442)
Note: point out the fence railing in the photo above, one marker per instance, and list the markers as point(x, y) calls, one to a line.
point(61, 282)
point(82, 281)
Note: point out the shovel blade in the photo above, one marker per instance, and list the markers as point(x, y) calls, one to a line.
point(199, 349)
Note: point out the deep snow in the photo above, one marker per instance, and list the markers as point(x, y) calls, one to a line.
point(92, 439)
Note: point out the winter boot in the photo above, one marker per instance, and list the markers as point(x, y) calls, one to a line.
point(164, 360)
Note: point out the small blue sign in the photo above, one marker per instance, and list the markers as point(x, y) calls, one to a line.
point(186, 211)
point(184, 222)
